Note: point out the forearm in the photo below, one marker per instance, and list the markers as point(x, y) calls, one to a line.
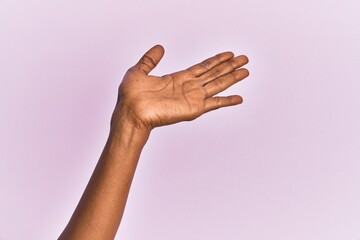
point(101, 207)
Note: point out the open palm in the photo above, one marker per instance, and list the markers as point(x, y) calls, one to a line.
point(153, 101)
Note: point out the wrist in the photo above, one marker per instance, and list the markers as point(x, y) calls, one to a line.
point(125, 127)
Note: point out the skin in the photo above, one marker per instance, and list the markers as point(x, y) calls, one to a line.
point(145, 102)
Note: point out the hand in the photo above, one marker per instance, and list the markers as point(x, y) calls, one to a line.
point(151, 101)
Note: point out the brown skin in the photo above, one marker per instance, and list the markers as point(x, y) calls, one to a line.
point(145, 102)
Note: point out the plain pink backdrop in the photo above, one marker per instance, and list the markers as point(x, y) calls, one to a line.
point(284, 165)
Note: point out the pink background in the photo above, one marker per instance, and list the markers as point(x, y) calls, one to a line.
point(284, 165)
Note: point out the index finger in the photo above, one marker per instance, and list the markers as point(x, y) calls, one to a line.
point(210, 63)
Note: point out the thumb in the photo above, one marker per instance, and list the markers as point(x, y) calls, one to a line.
point(150, 59)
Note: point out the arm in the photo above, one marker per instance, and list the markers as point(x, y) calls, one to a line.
point(145, 102)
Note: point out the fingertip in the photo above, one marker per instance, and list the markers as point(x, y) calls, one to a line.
point(230, 54)
point(224, 56)
point(237, 99)
point(246, 72)
point(160, 47)
point(245, 59)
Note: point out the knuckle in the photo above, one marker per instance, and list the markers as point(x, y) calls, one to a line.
point(219, 84)
point(148, 61)
point(234, 78)
point(215, 73)
point(218, 102)
point(206, 64)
